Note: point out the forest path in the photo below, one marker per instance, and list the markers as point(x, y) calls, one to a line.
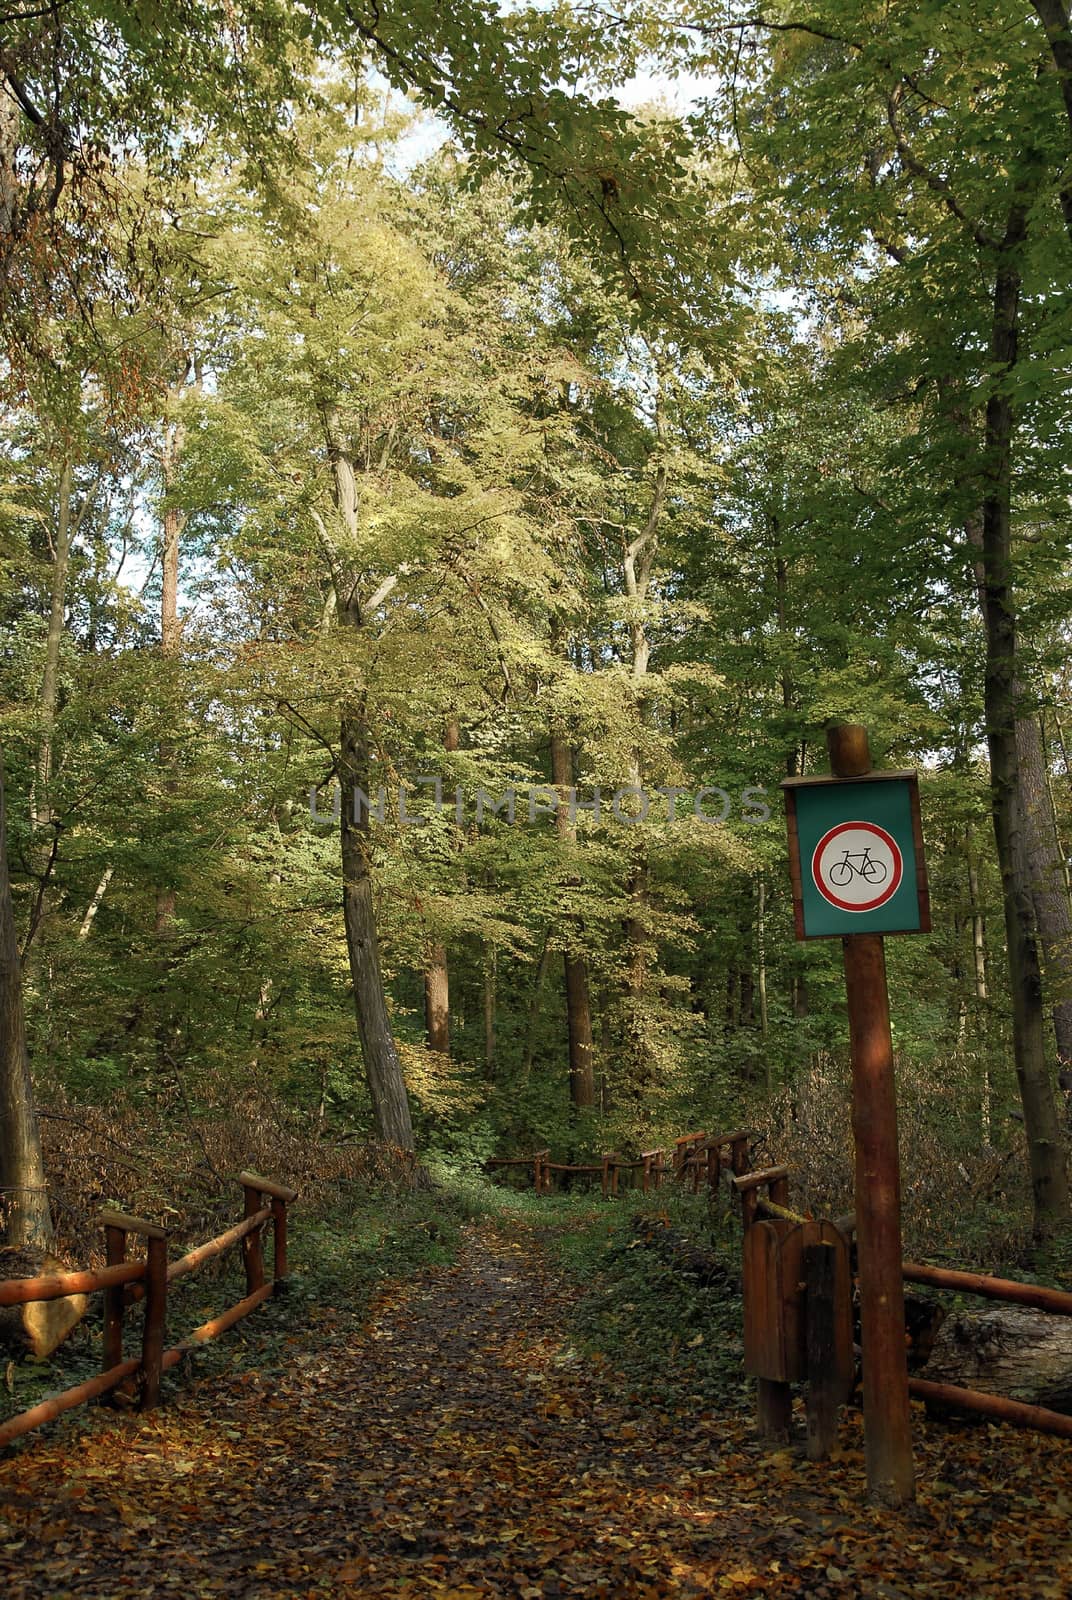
point(458, 1446)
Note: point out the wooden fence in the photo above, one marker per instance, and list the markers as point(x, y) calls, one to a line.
point(123, 1282)
point(694, 1159)
point(798, 1323)
point(798, 1286)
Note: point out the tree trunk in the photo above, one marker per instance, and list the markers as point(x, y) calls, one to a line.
point(978, 938)
point(1053, 14)
point(437, 998)
point(95, 904)
point(170, 630)
point(9, 183)
point(383, 1070)
point(1009, 1350)
point(761, 976)
point(978, 925)
point(1046, 1155)
point(532, 1018)
point(490, 985)
point(23, 1193)
point(1047, 875)
point(579, 1026)
point(48, 698)
point(582, 1081)
point(638, 563)
point(39, 1327)
point(436, 972)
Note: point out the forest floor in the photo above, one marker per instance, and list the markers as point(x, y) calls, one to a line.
point(458, 1439)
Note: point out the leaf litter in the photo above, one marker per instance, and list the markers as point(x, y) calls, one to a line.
point(456, 1445)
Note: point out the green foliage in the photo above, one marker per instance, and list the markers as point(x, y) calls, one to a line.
point(758, 387)
point(675, 1340)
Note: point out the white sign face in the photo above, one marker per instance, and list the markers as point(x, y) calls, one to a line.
point(857, 866)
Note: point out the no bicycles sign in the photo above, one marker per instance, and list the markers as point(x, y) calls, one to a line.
point(856, 855)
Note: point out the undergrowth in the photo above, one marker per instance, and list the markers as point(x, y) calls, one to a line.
point(339, 1256)
point(675, 1339)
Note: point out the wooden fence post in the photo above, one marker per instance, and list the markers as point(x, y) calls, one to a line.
point(279, 1240)
point(823, 1395)
point(115, 1298)
point(774, 1410)
point(887, 1417)
point(117, 1226)
point(714, 1165)
point(279, 1197)
point(252, 1247)
point(739, 1156)
point(152, 1341)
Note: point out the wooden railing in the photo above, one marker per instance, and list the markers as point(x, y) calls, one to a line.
point(123, 1282)
point(798, 1317)
point(798, 1286)
point(1057, 1302)
point(694, 1159)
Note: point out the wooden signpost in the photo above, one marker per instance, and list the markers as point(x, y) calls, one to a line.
point(857, 869)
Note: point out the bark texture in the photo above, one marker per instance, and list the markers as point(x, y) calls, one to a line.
point(1048, 888)
point(437, 971)
point(437, 998)
point(1009, 1350)
point(170, 626)
point(582, 1078)
point(1054, 16)
point(1046, 1154)
point(23, 1195)
point(39, 1328)
point(383, 1069)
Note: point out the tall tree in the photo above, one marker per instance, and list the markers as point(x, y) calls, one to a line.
point(23, 1189)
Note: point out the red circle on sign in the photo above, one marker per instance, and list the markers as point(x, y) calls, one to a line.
point(859, 863)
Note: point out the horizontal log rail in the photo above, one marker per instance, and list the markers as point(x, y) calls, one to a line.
point(1058, 1301)
point(748, 1184)
point(218, 1246)
point(123, 1281)
point(211, 1330)
point(57, 1286)
point(1016, 1412)
point(708, 1156)
point(755, 1180)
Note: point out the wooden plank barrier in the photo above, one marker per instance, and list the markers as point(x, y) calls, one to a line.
point(798, 1326)
point(123, 1282)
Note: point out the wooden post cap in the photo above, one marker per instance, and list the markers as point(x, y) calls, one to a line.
point(119, 1219)
point(277, 1191)
point(755, 1180)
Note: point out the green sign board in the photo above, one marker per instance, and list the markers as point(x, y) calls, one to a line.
point(856, 855)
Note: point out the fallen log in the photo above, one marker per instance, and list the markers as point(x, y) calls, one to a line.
point(1023, 1355)
point(37, 1327)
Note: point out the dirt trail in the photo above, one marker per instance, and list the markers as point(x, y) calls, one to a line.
point(458, 1446)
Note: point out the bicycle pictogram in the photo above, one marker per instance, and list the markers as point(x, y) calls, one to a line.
point(857, 864)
